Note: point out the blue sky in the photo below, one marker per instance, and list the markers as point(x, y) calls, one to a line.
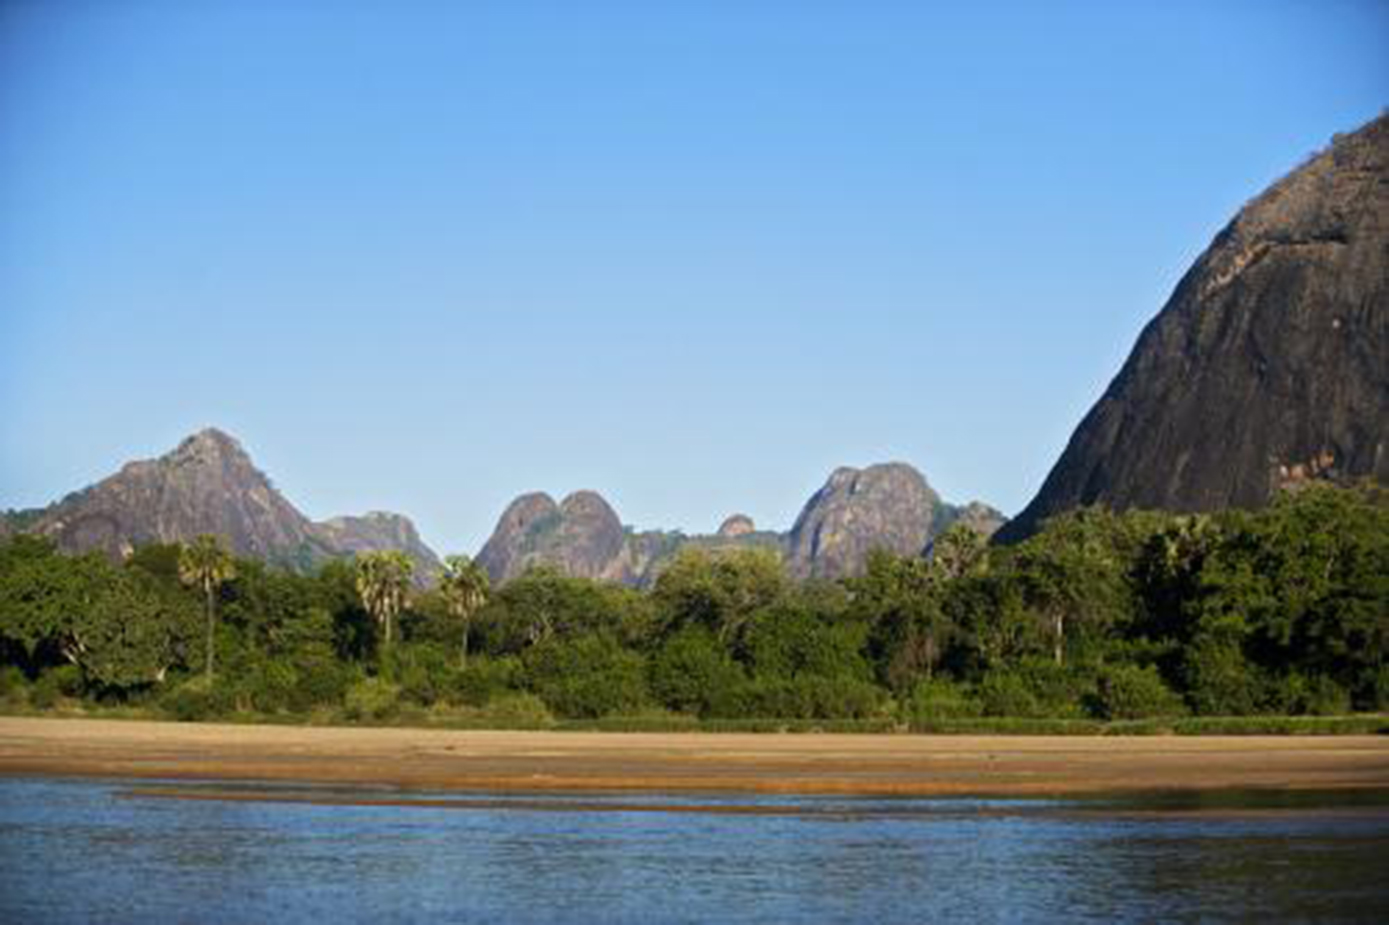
point(426, 256)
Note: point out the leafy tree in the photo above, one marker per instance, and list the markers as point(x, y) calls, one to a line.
point(1074, 578)
point(720, 590)
point(692, 672)
point(901, 598)
point(464, 586)
point(206, 564)
point(589, 676)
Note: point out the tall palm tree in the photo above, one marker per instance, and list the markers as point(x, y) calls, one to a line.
point(206, 563)
point(464, 586)
point(383, 583)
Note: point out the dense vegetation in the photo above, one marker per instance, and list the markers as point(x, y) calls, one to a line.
point(1100, 616)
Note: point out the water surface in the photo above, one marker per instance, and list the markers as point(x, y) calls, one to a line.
point(82, 851)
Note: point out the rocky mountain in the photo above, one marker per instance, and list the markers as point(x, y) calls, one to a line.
point(885, 506)
point(208, 484)
point(581, 535)
point(378, 531)
point(1268, 365)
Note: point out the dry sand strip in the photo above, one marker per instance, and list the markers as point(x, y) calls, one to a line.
point(917, 765)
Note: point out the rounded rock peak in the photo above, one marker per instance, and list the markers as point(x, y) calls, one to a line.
point(585, 503)
point(529, 507)
point(737, 525)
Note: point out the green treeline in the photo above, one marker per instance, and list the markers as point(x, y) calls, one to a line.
point(1101, 616)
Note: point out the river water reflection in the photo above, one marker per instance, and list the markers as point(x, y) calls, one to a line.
point(82, 851)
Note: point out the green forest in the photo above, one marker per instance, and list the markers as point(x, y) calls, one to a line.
point(1101, 619)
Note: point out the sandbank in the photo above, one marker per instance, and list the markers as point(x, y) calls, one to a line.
point(905, 765)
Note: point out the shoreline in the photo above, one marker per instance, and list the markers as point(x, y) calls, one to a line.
point(792, 764)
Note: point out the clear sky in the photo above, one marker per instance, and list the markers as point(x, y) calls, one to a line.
point(426, 256)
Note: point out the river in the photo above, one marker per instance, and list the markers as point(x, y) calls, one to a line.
point(117, 851)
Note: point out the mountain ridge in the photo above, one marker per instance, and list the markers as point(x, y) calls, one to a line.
point(209, 484)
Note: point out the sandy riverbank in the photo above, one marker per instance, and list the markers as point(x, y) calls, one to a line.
point(804, 764)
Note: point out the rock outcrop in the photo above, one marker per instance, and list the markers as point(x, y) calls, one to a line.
point(736, 525)
point(208, 484)
point(377, 531)
point(978, 516)
point(581, 536)
point(888, 506)
point(1269, 364)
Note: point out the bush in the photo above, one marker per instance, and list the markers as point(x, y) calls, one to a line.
point(586, 677)
point(14, 686)
point(196, 700)
point(802, 697)
point(55, 684)
point(938, 699)
point(1220, 682)
point(371, 699)
point(692, 671)
point(519, 710)
point(1134, 692)
point(270, 686)
point(1034, 688)
point(1296, 694)
point(483, 680)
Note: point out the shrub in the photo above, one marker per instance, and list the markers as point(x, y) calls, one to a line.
point(586, 677)
point(519, 710)
point(802, 697)
point(1295, 694)
point(371, 699)
point(1035, 687)
point(1220, 682)
point(196, 700)
point(692, 671)
point(483, 680)
point(55, 684)
point(14, 686)
point(1134, 692)
point(939, 698)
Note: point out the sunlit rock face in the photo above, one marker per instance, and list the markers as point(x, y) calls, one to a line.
point(1268, 365)
point(888, 506)
point(581, 536)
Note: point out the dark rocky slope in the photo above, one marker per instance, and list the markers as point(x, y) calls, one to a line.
point(1269, 364)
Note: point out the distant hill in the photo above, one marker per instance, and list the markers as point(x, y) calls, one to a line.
point(1268, 366)
point(887, 506)
point(208, 484)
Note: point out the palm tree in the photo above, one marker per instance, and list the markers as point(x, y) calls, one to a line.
point(205, 563)
point(383, 582)
point(464, 586)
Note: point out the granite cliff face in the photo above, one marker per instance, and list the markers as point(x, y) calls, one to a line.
point(1268, 365)
point(580, 536)
point(887, 506)
point(208, 484)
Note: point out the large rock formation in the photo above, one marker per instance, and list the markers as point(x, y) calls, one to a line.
point(887, 506)
point(208, 484)
point(979, 517)
point(377, 531)
point(1269, 364)
point(580, 536)
point(882, 507)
